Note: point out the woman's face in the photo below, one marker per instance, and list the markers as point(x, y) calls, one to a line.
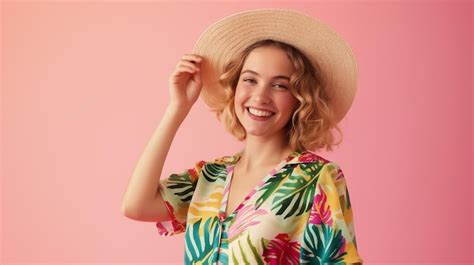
point(263, 101)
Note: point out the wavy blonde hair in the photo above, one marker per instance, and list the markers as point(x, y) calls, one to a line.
point(312, 122)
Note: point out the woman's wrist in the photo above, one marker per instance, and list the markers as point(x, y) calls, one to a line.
point(176, 110)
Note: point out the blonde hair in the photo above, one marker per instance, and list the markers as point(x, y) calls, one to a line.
point(312, 122)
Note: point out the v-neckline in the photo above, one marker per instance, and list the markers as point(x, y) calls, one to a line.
point(228, 184)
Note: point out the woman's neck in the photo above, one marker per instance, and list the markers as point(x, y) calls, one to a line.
point(259, 152)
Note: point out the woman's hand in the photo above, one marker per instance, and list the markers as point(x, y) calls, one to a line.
point(185, 82)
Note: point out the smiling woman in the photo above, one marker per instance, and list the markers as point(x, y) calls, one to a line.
point(263, 107)
point(312, 119)
point(276, 201)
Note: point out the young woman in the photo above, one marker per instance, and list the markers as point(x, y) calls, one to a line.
point(275, 201)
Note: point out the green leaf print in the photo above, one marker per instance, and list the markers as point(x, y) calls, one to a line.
point(182, 185)
point(295, 196)
point(322, 245)
point(255, 258)
point(212, 172)
point(244, 257)
point(272, 184)
point(202, 248)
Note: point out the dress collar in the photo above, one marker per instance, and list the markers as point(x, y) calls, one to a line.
point(297, 157)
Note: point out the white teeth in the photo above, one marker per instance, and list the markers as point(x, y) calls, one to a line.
point(260, 112)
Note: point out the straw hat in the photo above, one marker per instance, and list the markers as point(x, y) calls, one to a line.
point(227, 37)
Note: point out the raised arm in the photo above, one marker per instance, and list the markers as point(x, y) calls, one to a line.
point(141, 200)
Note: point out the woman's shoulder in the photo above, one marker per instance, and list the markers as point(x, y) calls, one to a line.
point(226, 159)
point(308, 157)
point(329, 170)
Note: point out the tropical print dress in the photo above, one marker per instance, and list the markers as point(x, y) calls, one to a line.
point(300, 213)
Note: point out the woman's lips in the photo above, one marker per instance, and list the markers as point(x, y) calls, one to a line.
point(257, 118)
point(259, 109)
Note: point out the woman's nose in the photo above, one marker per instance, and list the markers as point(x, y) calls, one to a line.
point(261, 95)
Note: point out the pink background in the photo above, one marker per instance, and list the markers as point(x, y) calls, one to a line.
point(84, 86)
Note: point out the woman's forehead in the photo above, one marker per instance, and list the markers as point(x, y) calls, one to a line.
point(268, 62)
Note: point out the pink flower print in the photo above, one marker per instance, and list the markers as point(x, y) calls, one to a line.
point(244, 218)
point(281, 250)
point(172, 226)
point(321, 210)
point(309, 157)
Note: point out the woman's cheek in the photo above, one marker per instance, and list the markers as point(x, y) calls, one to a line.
point(238, 98)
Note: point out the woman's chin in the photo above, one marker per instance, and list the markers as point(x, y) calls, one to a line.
point(252, 132)
point(259, 133)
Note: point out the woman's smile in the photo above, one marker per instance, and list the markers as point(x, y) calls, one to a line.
point(259, 115)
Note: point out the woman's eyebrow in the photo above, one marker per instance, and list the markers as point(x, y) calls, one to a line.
point(275, 77)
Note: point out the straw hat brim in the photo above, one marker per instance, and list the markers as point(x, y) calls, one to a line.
point(323, 46)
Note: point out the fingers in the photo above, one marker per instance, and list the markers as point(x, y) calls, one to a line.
point(189, 66)
point(181, 70)
point(191, 58)
point(188, 63)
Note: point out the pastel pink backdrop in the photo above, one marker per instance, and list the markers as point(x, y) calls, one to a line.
point(85, 84)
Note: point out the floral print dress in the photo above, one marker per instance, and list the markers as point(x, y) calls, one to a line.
point(300, 213)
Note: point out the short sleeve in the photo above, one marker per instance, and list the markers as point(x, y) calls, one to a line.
point(177, 191)
point(329, 234)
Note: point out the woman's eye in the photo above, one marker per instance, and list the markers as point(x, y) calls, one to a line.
point(281, 86)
